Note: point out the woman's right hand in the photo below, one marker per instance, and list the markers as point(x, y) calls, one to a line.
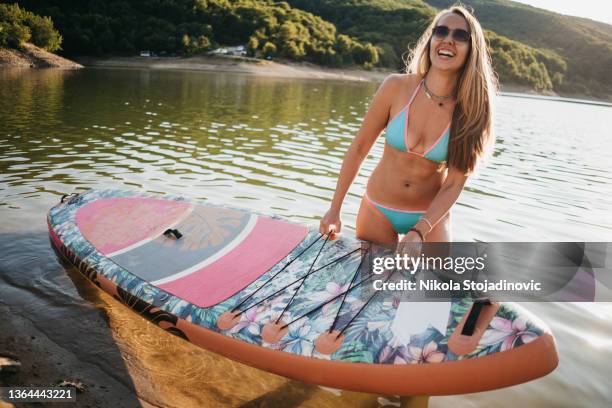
point(331, 223)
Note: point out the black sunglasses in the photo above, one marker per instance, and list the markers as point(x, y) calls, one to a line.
point(458, 34)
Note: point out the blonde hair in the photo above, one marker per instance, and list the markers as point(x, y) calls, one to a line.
point(472, 122)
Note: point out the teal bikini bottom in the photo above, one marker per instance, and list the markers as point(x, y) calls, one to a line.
point(400, 220)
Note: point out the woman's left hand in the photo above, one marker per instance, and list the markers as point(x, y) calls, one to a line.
point(410, 245)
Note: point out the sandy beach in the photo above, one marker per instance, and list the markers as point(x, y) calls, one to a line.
point(280, 69)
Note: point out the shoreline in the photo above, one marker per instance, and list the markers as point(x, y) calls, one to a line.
point(284, 69)
point(30, 56)
point(44, 362)
point(278, 69)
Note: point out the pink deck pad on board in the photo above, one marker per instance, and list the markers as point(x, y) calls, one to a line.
point(112, 224)
point(266, 245)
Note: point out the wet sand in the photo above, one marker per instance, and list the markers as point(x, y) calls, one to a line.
point(46, 363)
point(44, 333)
point(62, 327)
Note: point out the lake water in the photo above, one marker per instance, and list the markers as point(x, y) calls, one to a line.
point(273, 146)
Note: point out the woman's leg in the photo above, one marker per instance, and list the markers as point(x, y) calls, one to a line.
point(373, 226)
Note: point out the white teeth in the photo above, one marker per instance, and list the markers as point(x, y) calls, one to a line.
point(446, 53)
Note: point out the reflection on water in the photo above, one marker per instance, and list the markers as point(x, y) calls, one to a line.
point(275, 146)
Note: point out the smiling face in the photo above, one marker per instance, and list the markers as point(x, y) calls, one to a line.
point(448, 54)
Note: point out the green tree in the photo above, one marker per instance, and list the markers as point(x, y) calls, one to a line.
point(388, 56)
point(288, 31)
point(371, 55)
point(18, 25)
point(252, 45)
point(269, 50)
point(13, 33)
point(44, 35)
point(366, 55)
point(16, 34)
point(195, 45)
point(293, 50)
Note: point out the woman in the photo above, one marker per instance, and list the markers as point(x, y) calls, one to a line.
point(440, 124)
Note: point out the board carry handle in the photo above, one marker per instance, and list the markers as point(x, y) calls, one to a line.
point(71, 197)
point(175, 232)
point(470, 322)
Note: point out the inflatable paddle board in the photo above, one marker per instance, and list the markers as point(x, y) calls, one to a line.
point(278, 296)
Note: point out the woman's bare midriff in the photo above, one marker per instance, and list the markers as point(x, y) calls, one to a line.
point(405, 181)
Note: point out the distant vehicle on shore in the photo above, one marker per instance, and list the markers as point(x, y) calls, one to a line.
point(150, 54)
point(239, 50)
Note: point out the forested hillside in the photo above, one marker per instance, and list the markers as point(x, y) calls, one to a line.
point(532, 47)
point(120, 27)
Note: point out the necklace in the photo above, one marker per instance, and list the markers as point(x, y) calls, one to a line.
point(440, 98)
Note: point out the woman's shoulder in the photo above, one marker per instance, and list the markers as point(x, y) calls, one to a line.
point(401, 82)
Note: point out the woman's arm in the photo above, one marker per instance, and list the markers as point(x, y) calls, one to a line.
point(442, 202)
point(373, 123)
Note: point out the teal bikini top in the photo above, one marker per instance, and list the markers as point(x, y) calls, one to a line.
point(397, 135)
